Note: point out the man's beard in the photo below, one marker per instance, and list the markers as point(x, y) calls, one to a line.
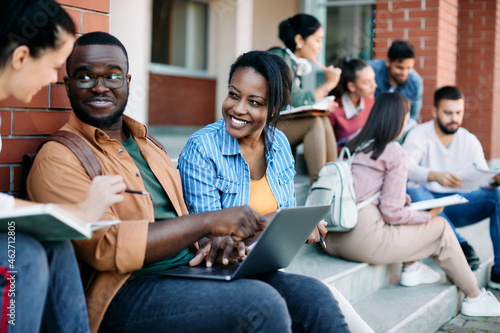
point(100, 123)
point(445, 129)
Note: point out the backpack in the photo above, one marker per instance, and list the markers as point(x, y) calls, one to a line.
point(334, 187)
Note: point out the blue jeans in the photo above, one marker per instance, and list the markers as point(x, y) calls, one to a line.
point(482, 204)
point(275, 302)
point(45, 286)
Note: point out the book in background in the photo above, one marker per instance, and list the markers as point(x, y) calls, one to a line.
point(47, 222)
point(450, 200)
point(316, 109)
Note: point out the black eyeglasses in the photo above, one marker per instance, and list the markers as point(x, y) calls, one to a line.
point(87, 81)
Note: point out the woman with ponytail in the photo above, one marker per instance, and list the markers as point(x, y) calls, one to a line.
point(302, 36)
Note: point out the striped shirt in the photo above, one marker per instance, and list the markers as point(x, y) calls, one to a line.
point(215, 175)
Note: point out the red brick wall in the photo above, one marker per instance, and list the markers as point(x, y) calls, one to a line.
point(478, 70)
point(25, 125)
point(457, 42)
point(430, 26)
point(181, 101)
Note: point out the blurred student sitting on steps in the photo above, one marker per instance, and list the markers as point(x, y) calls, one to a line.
point(441, 153)
point(388, 231)
point(397, 73)
point(355, 95)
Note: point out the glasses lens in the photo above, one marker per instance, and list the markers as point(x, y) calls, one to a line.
point(84, 81)
point(87, 81)
point(113, 80)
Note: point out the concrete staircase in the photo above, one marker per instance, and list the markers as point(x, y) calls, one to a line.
point(374, 291)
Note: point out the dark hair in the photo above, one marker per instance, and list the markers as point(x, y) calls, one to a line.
point(401, 50)
point(301, 24)
point(98, 38)
point(350, 68)
point(34, 23)
point(384, 124)
point(447, 92)
point(277, 73)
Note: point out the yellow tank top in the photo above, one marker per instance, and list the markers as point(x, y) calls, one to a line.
point(261, 197)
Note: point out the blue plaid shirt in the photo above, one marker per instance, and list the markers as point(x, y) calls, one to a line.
point(413, 88)
point(215, 175)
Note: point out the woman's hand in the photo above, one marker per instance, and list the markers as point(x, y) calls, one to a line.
point(332, 106)
point(103, 192)
point(435, 211)
point(314, 237)
point(408, 200)
point(332, 76)
point(219, 249)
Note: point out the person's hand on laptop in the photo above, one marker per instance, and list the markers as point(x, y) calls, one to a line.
point(219, 249)
point(314, 237)
point(233, 225)
point(238, 222)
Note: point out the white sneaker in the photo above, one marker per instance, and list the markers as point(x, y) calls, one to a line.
point(485, 305)
point(422, 274)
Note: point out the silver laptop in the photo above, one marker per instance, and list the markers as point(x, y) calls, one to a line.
point(275, 248)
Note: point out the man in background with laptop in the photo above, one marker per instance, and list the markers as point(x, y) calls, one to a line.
point(125, 289)
point(443, 157)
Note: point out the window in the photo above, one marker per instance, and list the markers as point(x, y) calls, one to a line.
point(349, 32)
point(180, 33)
point(348, 27)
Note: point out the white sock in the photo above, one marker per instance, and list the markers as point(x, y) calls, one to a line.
point(477, 298)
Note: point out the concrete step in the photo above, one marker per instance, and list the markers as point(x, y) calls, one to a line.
point(394, 308)
point(375, 293)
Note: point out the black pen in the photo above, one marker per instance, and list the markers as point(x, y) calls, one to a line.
point(137, 192)
point(321, 236)
point(322, 239)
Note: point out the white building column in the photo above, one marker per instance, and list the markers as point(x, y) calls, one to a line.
point(230, 34)
point(130, 22)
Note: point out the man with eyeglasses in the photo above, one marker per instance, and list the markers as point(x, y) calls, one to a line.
point(124, 286)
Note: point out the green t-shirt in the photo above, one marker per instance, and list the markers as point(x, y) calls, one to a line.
point(163, 208)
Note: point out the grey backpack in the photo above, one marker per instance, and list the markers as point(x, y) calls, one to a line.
point(334, 187)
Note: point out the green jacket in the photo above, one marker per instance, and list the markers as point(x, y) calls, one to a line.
point(300, 96)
